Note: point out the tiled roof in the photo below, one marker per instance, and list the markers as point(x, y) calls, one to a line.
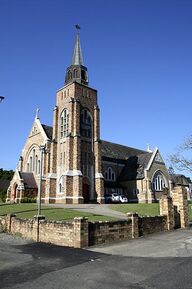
point(29, 180)
point(135, 160)
point(48, 130)
point(117, 151)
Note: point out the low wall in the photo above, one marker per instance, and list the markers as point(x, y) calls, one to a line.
point(149, 225)
point(80, 232)
point(71, 234)
point(106, 232)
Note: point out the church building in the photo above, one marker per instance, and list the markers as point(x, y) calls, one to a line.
point(71, 163)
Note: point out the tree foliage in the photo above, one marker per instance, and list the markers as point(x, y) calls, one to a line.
point(182, 159)
point(5, 176)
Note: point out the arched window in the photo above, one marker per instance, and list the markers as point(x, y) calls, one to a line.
point(30, 164)
point(69, 75)
point(75, 73)
point(158, 182)
point(110, 175)
point(64, 123)
point(36, 164)
point(60, 188)
point(33, 157)
point(86, 123)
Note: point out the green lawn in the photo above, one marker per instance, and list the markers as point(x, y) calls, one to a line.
point(30, 210)
point(141, 209)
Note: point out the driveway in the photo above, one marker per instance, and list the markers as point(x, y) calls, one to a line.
point(160, 261)
point(100, 209)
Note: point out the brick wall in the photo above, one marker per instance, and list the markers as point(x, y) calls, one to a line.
point(106, 232)
point(81, 233)
point(149, 225)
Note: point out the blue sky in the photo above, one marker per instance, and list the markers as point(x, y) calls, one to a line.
point(139, 58)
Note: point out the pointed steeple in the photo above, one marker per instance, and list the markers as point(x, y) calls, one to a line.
point(77, 71)
point(77, 58)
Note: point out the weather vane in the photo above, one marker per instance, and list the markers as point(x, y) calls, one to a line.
point(77, 27)
point(1, 98)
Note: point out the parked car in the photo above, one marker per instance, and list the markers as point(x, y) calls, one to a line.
point(115, 198)
point(123, 199)
point(108, 198)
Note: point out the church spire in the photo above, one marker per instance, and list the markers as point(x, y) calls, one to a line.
point(77, 58)
point(77, 71)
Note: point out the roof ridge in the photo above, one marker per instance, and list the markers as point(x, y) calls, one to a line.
point(125, 146)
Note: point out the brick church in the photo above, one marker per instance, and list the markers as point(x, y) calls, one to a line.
point(72, 164)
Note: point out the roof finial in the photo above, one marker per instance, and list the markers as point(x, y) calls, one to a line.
point(148, 148)
point(37, 113)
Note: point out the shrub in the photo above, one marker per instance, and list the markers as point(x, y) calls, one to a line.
point(28, 200)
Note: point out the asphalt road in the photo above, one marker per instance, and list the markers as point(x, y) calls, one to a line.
point(158, 261)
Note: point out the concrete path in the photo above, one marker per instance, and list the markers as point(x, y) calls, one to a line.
point(176, 243)
point(92, 208)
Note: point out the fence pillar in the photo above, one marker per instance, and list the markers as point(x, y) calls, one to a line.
point(9, 221)
point(179, 195)
point(81, 234)
point(167, 209)
point(135, 224)
point(37, 219)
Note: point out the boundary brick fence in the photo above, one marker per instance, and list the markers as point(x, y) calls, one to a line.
point(81, 233)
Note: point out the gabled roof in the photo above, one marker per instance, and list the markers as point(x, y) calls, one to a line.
point(48, 130)
point(135, 160)
point(117, 151)
point(135, 166)
point(29, 180)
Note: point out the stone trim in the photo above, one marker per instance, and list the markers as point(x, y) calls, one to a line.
point(99, 176)
point(72, 173)
point(52, 176)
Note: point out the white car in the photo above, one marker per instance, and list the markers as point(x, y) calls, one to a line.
point(123, 199)
point(115, 197)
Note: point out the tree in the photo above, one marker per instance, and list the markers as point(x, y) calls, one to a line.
point(182, 159)
point(5, 177)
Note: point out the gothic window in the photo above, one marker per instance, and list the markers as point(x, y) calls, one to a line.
point(60, 188)
point(158, 183)
point(86, 123)
point(36, 164)
point(83, 75)
point(64, 123)
point(110, 175)
point(30, 164)
point(33, 157)
point(69, 75)
point(39, 165)
point(75, 73)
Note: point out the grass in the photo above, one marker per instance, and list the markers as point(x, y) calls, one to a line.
point(57, 214)
point(141, 209)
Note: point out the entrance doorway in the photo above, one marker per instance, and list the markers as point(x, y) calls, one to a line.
point(86, 191)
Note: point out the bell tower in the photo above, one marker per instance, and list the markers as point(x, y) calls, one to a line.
point(77, 132)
